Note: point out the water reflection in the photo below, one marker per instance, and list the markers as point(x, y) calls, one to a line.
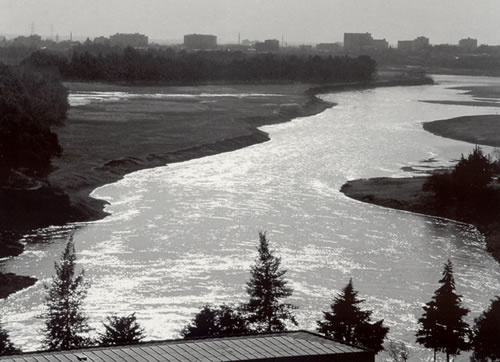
point(183, 235)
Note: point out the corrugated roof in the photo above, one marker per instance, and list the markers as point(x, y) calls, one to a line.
point(284, 345)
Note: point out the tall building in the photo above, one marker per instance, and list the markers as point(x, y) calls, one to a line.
point(269, 45)
point(468, 44)
point(135, 40)
point(200, 42)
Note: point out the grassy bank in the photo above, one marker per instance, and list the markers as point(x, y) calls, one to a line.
point(483, 129)
point(406, 194)
point(119, 134)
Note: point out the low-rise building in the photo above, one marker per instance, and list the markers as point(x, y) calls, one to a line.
point(294, 346)
point(269, 45)
point(414, 46)
point(135, 40)
point(329, 47)
point(468, 44)
point(200, 42)
point(357, 43)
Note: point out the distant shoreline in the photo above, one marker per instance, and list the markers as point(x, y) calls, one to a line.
point(66, 199)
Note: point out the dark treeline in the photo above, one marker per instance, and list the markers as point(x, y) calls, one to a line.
point(169, 66)
point(31, 101)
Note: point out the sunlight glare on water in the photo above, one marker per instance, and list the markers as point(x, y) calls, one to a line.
point(184, 235)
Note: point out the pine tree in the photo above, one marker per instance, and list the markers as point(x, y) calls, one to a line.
point(266, 288)
point(347, 323)
point(6, 346)
point(65, 323)
point(216, 321)
point(486, 342)
point(121, 330)
point(442, 326)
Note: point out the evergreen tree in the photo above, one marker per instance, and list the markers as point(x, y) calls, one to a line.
point(442, 326)
point(65, 323)
point(486, 343)
point(121, 330)
point(216, 321)
point(266, 288)
point(6, 346)
point(347, 323)
point(398, 352)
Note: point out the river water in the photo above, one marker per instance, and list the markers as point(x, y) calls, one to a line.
point(186, 234)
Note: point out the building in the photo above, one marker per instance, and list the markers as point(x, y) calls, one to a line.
point(357, 42)
point(101, 40)
point(380, 44)
point(329, 47)
point(135, 40)
point(284, 347)
point(200, 42)
point(363, 42)
point(414, 46)
point(269, 45)
point(468, 44)
point(32, 41)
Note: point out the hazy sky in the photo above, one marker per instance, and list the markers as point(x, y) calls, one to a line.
point(307, 21)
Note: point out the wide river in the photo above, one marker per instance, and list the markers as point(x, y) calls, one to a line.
point(186, 234)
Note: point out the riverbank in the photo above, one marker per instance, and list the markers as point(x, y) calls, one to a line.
point(406, 194)
point(118, 133)
point(483, 129)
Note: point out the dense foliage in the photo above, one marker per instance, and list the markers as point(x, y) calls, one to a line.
point(442, 327)
point(121, 330)
point(166, 65)
point(347, 323)
point(216, 321)
point(6, 346)
point(31, 101)
point(267, 288)
point(65, 323)
point(486, 343)
point(467, 183)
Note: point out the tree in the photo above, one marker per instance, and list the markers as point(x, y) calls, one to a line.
point(347, 323)
point(487, 333)
point(467, 182)
point(65, 323)
point(398, 351)
point(121, 330)
point(216, 321)
point(441, 326)
point(30, 102)
point(475, 172)
point(6, 346)
point(266, 288)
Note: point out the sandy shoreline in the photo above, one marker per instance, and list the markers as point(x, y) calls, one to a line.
point(104, 141)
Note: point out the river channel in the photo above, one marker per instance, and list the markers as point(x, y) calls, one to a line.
point(186, 234)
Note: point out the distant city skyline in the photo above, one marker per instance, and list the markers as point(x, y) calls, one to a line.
point(317, 21)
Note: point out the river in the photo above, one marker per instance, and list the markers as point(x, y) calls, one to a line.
point(186, 234)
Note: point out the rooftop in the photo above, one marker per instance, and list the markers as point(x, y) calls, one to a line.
point(285, 346)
